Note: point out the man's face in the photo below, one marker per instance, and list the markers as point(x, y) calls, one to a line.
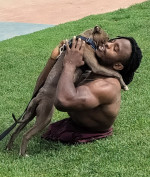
point(117, 50)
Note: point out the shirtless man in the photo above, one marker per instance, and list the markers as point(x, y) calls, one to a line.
point(95, 103)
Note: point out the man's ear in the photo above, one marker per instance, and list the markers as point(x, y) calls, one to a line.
point(118, 66)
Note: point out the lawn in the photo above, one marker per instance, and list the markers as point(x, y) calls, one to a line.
point(126, 153)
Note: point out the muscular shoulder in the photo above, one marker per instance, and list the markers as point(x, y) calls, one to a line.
point(106, 89)
point(107, 84)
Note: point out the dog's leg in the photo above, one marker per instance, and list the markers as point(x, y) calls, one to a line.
point(14, 135)
point(43, 75)
point(29, 115)
point(42, 120)
point(48, 67)
point(44, 102)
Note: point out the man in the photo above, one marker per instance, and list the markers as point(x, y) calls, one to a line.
point(94, 104)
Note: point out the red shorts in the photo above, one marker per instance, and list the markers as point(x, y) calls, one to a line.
point(66, 131)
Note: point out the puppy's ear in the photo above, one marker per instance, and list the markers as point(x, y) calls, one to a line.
point(97, 29)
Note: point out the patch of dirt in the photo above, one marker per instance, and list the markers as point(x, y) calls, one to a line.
point(56, 11)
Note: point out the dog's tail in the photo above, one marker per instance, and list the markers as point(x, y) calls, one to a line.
point(29, 113)
point(17, 120)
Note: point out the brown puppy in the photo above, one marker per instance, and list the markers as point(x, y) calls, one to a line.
point(42, 102)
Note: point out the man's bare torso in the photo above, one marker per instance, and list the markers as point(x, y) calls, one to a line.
point(103, 116)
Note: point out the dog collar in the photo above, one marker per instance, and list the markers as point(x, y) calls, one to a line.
point(89, 41)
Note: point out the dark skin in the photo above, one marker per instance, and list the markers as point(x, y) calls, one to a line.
point(95, 103)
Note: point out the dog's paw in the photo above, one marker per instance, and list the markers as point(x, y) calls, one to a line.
point(125, 88)
point(21, 154)
point(8, 148)
point(26, 155)
point(57, 51)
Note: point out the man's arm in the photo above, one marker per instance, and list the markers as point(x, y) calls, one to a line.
point(83, 97)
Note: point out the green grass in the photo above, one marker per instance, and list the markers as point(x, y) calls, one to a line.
point(126, 153)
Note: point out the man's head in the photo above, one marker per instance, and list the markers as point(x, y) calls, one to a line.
point(121, 54)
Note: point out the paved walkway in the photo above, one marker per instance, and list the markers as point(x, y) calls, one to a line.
point(18, 17)
point(11, 29)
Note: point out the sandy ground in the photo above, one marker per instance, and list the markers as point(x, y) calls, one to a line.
point(56, 11)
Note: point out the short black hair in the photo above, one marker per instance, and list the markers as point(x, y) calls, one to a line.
point(133, 62)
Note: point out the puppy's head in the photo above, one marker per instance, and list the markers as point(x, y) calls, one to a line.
point(98, 35)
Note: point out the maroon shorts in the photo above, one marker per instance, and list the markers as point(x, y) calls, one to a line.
point(66, 131)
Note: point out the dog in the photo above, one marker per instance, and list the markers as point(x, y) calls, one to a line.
point(42, 102)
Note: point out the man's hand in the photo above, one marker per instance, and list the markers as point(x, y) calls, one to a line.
point(74, 55)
